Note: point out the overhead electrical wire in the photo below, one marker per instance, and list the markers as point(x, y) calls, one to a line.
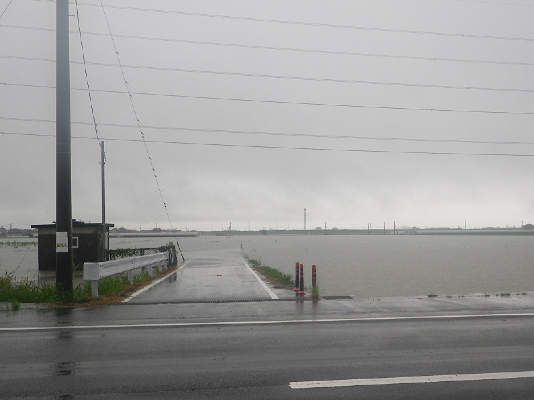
point(86, 75)
point(306, 103)
point(134, 110)
point(315, 24)
point(5, 9)
point(272, 147)
point(294, 49)
point(281, 77)
point(286, 134)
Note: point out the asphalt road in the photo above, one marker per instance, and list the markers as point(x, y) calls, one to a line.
point(70, 356)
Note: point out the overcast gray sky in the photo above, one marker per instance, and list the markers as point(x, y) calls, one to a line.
point(359, 111)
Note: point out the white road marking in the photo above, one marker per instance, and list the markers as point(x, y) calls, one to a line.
point(275, 322)
point(144, 289)
point(267, 288)
point(411, 379)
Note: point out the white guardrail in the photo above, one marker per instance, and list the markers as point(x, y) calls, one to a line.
point(93, 271)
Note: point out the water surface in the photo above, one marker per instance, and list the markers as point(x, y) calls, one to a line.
point(359, 265)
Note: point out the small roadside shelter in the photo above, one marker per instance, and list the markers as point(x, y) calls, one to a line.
point(86, 243)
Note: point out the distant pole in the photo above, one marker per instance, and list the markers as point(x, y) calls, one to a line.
point(102, 162)
point(394, 228)
point(64, 258)
point(384, 228)
point(325, 228)
point(304, 219)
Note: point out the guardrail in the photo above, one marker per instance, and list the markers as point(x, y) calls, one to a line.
point(94, 271)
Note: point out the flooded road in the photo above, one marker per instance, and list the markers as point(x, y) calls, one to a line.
point(358, 265)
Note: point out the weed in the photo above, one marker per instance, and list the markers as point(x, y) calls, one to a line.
point(15, 304)
point(254, 263)
point(26, 291)
point(273, 276)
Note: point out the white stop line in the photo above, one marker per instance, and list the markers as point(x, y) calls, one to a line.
point(411, 379)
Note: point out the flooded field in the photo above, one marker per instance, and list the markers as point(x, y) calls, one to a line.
point(358, 265)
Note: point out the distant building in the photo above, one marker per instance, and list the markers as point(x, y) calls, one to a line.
point(528, 226)
point(87, 244)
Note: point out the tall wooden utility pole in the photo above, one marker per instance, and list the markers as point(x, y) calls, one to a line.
point(64, 259)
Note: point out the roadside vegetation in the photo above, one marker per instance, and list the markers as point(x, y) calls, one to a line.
point(113, 289)
point(275, 277)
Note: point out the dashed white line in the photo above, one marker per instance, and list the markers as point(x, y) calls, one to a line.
point(411, 380)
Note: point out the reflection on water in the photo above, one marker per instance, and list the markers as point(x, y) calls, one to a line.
point(361, 265)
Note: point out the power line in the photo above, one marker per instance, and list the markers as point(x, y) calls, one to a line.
point(286, 134)
point(307, 103)
point(271, 147)
point(5, 9)
point(139, 124)
point(315, 24)
point(289, 77)
point(294, 49)
point(85, 70)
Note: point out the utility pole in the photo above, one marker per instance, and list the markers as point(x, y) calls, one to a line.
point(102, 162)
point(304, 219)
point(64, 259)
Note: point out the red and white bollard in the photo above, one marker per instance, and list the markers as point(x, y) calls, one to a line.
point(297, 274)
point(301, 291)
point(314, 281)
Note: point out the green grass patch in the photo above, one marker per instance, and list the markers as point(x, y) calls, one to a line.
point(23, 290)
point(272, 275)
point(112, 289)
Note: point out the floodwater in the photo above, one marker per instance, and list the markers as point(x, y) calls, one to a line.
point(359, 265)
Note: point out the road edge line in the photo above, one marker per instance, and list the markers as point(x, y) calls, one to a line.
point(262, 283)
point(145, 288)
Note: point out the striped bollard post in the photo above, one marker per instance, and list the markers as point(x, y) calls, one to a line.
point(314, 282)
point(296, 277)
point(301, 291)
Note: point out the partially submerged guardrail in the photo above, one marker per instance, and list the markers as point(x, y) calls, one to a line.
point(94, 271)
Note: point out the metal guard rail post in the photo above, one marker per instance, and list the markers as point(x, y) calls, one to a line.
point(94, 271)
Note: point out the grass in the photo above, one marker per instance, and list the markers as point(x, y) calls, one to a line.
point(275, 277)
point(113, 289)
point(24, 290)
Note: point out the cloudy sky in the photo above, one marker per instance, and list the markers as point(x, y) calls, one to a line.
point(418, 111)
